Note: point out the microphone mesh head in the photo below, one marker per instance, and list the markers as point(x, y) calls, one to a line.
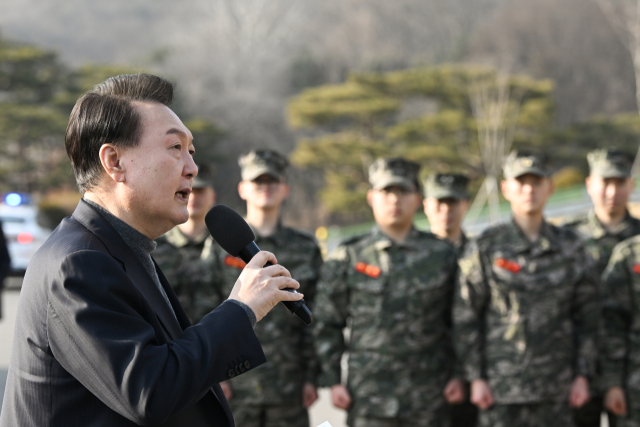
point(229, 229)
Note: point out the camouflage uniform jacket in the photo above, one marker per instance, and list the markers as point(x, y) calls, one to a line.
point(598, 240)
point(526, 313)
point(286, 341)
point(460, 247)
point(192, 267)
point(621, 312)
point(396, 298)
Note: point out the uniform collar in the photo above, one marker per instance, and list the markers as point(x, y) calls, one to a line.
point(383, 241)
point(278, 236)
point(178, 239)
point(598, 230)
point(547, 239)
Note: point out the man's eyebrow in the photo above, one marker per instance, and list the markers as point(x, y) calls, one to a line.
point(177, 131)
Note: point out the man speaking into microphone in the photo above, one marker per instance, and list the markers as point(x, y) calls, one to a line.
point(100, 338)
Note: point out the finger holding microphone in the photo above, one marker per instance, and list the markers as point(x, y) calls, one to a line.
point(261, 288)
point(235, 236)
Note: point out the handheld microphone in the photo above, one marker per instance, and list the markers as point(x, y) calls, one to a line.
point(234, 235)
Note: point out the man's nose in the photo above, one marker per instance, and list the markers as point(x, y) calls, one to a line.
point(610, 191)
point(190, 168)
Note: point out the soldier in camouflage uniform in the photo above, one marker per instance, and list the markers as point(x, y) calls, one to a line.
point(188, 255)
point(445, 205)
point(394, 287)
point(621, 310)
point(278, 393)
point(526, 312)
point(609, 184)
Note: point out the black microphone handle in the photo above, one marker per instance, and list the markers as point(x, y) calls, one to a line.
point(299, 308)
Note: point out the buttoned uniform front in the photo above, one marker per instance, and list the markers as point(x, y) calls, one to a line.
point(96, 344)
point(600, 241)
point(192, 267)
point(286, 341)
point(526, 315)
point(396, 298)
point(621, 324)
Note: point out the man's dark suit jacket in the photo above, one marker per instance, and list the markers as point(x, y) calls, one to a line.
point(97, 345)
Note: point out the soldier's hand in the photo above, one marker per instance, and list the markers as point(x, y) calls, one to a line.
point(454, 391)
point(615, 402)
point(309, 394)
point(481, 394)
point(579, 392)
point(226, 389)
point(260, 288)
point(340, 396)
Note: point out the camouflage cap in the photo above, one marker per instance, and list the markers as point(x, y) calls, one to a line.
point(610, 163)
point(446, 186)
point(384, 173)
point(521, 162)
point(262, 162)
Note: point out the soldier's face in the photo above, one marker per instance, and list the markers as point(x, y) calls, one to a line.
point(445, 214)
point(609, 194)
point(200, 201)
point(394, 206)
point(264, 192)
point(527, 193)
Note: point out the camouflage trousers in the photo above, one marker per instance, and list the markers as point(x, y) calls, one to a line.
point(247, 415)
point(548, 414)
point(633, 407)
point(439, 418)
point(464, 414)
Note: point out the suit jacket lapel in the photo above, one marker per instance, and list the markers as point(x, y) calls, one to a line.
point(118, 249)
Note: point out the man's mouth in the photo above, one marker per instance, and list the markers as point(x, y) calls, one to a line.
point(183, 193)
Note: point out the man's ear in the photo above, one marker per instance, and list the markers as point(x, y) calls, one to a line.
point(504, 187)
point(110, 158)
point(370, 198)
point(241, 188)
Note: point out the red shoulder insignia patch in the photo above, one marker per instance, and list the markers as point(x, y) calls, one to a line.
point(636, 268)
point(511, 266)
point(369, 270)
point(234, 262)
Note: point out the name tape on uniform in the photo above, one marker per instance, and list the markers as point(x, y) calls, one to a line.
point(325, 424)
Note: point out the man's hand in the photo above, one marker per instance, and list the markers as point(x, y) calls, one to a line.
point(454, 391)
point(309, 394)
point(226, 389)
point(260, 288)
point(579, 392)
point(340, 396)
point(615, 402)
point(481, 394)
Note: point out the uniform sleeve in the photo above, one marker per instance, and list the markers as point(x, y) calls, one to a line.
point(307, 350)
point(586, 317)
point(617, 314)
point(330, 311)
point(208, 288)
point(471, 299)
